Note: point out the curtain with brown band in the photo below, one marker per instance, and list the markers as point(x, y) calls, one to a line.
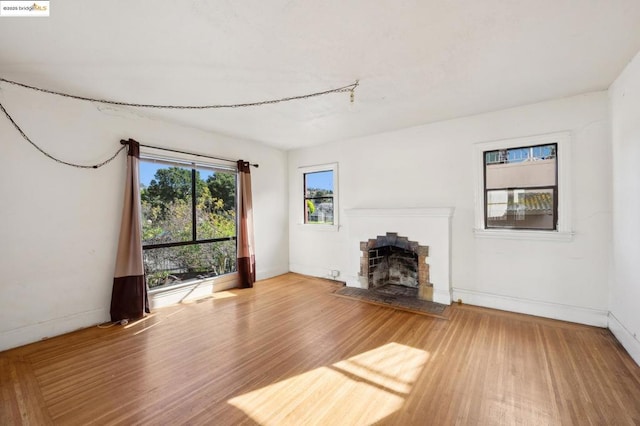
point(246, 246)
point(129, 295)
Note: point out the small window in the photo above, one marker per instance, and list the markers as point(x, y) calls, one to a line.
point(320, 195)
point(521, 189)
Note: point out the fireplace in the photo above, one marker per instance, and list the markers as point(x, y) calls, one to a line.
point(391, 263)
point(430, 226)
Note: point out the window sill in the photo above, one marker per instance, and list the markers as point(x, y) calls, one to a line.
point(194, 283)
point(191, 290)
point(321, 228)
point(513, 234)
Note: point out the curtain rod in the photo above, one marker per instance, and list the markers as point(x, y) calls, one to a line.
point(124, 142)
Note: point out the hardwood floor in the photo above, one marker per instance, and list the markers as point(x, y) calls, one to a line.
point(289, 352)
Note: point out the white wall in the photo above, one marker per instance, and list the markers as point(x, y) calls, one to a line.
point(432, 166)
point(624, 295)
point(59, 225)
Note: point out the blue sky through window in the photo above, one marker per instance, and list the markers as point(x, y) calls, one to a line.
point(320, 180)
point(148, 172)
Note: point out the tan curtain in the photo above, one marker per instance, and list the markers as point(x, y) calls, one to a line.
point(129, 295)
point(246, 246)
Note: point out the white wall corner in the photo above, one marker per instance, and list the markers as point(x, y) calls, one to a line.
point(442, 296)
point(356, 281)
point(263, 274)
point(577, 314)
point(626, 339)
point(314, 271)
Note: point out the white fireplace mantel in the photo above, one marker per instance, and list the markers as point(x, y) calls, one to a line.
point(428, 226)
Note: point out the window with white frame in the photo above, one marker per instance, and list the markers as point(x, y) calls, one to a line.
point(320, 195)
point(523, 187)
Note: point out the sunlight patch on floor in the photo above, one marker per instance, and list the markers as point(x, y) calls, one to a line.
point(363, 389)
point(223, 295)
point(157, 319)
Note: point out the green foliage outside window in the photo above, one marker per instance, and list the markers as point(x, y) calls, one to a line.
point(167, 217)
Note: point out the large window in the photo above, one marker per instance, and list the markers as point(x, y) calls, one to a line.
point(521, 189)
point(320, 197)
point(188, 220)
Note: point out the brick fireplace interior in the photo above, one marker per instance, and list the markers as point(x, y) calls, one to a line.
point(395, 265)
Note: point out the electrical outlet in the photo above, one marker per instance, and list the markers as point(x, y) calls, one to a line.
point(335, 273)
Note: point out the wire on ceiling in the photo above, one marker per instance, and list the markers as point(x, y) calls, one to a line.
point(348, 88)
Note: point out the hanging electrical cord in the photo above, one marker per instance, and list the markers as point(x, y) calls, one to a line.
point(57, 160)
point(349, 88)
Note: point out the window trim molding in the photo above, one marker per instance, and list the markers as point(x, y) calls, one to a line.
point(564, 231)
point(302, 170)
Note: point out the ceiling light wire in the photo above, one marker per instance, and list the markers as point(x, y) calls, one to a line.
point(57, 160)
point(349, 88)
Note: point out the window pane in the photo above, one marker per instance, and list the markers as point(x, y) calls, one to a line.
point(521, 208)
point(165, 193)
point(319, 210)
point(168, 218)
point(173, 265)
point(518, 155)
point(491, 157)
point(319, 181)
point(318, 190)
point(215, 204)
point(527, 167)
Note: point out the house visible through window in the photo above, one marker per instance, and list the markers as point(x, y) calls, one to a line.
point(188, 221)
point(319, 197)
point(521, 187)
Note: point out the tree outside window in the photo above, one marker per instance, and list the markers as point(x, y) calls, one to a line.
point(186, 236)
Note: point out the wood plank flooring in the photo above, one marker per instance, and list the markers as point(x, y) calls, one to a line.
point(289, 352)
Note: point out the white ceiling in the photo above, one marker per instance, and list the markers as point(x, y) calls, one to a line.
point(417, 61)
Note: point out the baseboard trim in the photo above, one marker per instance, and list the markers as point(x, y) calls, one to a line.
point(314, 271)
point(626, 339)
point(264, 274)
point(577, 314)
point(43, 330)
